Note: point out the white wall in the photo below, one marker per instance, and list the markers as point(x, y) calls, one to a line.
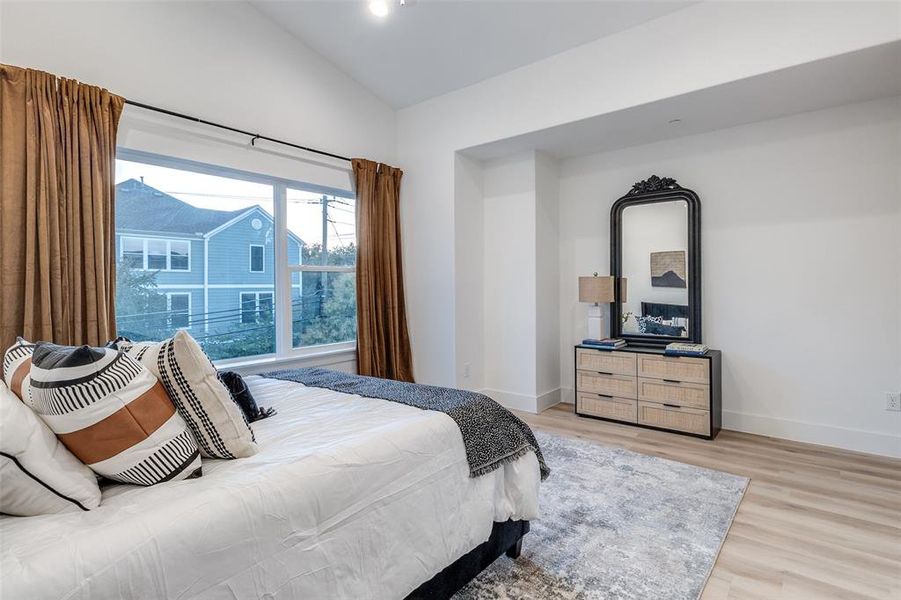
point(801, 222)
point(222, 61)
point(469, 304)
point(701, 46)
point(547, 281)
point(515, 332)
point(509, 335)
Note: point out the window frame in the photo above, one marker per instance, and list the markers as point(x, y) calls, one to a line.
point(282, 287)
point(262, 248)
point(169, 308)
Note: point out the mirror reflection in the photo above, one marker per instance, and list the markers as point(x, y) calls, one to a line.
point(655, 264)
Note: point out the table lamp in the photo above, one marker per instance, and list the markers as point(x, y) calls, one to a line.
point(596, 290)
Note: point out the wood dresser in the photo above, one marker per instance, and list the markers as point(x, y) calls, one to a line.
point(645, 387)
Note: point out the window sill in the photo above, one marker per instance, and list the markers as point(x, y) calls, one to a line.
point(323, 357)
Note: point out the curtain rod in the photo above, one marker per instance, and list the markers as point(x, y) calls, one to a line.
point(253, 136)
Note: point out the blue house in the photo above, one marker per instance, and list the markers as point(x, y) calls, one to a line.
point(214, 268)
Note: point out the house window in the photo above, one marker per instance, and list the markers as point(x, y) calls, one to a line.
point(133, 252)
point(156, 254)
point(256, 259)
point(178, 305)
point(256, 307)
point(296, 290)
point(179, 255)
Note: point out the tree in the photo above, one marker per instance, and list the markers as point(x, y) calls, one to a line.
point(346, 255)
point(336, 320)
point(140, 308)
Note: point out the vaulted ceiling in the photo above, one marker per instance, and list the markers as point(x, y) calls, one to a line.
point(430, 47)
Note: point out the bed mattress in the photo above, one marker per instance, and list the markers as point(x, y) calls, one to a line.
point(349, 497)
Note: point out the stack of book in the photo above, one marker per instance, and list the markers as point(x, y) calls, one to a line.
point(681, 349)
point(605, 344)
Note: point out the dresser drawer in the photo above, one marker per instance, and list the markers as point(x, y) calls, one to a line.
point(689, 420)
point(609, 385)
point(621, 409)
point(687, 395)
point(676, 368)
point(605, 361)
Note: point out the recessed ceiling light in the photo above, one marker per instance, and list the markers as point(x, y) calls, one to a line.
point(379, 8)
point(675, 121)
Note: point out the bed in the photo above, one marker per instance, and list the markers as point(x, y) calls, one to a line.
point(349, 497)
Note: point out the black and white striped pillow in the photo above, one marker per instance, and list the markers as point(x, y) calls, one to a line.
point(193, 384)
point(111, 413)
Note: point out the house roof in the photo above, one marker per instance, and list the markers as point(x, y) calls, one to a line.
point(140, 207)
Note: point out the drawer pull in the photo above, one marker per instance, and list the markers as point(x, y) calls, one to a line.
point(604, 396)
point(671, 405)
point(604, 373)
point(672, 381)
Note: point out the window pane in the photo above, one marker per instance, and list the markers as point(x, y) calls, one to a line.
point(317, 221)
point(133, 252)
point(256, 259)
point(181, 205)
point(156, 254)
point(324, 308)
point(178, 255)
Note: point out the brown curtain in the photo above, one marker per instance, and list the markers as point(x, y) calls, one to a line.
point(57, 166)
point(383, 345)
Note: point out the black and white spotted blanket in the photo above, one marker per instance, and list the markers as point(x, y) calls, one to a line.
point(492, 435)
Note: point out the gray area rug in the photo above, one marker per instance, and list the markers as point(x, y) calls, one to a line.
point(616, 524)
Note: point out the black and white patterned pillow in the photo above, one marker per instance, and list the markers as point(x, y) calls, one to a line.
point(645, 319)
point(193, 384)
point(112, 414)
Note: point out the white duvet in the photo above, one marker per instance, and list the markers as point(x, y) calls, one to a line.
point(348, 497)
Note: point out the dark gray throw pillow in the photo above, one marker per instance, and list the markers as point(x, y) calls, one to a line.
point(661, 329)
point(243, 398)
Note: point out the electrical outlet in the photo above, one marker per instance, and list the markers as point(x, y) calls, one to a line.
point(893, 401)
point(466, 370)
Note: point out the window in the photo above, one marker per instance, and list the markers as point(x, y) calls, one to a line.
point(295, 292)
point(325, 309)
point(156, 254)
point(133, 252)
point(256, 259)
point(178, 306)
point(179, 255)
point(256, 307)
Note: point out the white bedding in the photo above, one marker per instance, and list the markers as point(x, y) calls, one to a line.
point(348, 497)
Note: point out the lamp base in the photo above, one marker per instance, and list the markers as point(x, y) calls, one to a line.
point(595, 322)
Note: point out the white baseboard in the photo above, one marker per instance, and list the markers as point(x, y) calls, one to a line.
point(860, 440)
point(523, 402)
point(548, 399)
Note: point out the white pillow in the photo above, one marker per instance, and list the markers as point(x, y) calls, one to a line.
point(38, 476)
point(112, 413)
point(202, 399)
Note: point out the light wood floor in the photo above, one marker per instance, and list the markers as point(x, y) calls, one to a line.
point(815, 522)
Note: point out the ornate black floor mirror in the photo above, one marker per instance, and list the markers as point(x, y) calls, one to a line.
point(655, 255)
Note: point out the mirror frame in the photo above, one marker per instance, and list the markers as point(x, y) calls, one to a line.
point(651, 191)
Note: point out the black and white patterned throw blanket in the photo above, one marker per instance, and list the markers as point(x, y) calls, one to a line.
point(492, 434)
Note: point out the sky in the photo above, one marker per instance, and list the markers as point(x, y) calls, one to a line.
point(223, 193)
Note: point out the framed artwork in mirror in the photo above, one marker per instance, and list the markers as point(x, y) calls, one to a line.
point(655, 238)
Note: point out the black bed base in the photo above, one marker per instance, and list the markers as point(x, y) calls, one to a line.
point(505, 538)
